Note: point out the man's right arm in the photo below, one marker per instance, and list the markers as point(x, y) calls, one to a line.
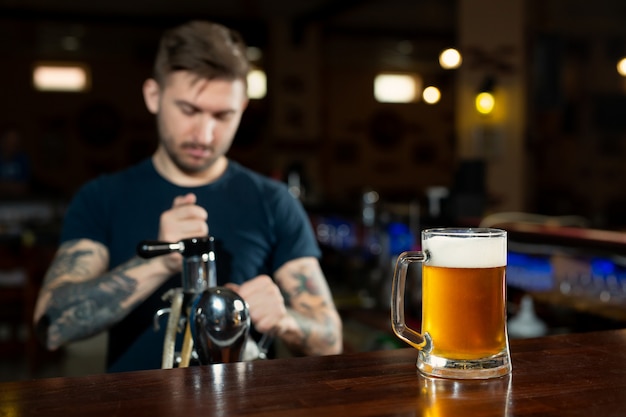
point(80, 297)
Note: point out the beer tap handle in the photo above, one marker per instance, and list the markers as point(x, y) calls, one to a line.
point(152, 248)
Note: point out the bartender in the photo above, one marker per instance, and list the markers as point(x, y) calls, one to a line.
point(265, 247)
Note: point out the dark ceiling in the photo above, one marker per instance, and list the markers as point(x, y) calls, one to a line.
point(375, 17)
point(392, 18)
point(373, 22)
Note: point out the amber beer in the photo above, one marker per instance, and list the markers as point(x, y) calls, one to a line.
point(463, 332)
point(463, 310)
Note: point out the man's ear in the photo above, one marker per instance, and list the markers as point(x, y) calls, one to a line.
point(151, 93)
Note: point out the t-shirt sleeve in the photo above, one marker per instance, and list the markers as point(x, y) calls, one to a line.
point(295, 237)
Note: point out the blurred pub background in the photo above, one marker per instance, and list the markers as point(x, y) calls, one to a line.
point(371, 172)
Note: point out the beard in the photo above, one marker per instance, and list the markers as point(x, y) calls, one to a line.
point(178, 155)
point(187, 164)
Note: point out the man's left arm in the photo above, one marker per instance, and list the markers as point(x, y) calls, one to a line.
point(312, 325)
point(296, 307)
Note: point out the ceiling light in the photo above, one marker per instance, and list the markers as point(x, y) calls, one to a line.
point(61, 77)
point(621, 67)
point(485, 102)
point(397, 88)
point(450, 59)
point(431, 95)
point(257, 84)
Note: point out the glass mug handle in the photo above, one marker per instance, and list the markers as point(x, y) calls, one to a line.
point(410, 336)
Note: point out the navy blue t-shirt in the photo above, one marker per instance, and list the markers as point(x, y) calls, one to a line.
point(256, 223)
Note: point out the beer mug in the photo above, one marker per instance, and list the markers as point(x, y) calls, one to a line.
point(463, 303)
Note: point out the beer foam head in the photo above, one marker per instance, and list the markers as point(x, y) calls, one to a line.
point(465, 252)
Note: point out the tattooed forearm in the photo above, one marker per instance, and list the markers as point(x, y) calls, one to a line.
point(72, 262)
point(318, 334)
point(79, 310)
point(67, 263)
point(305, 285)
point(314, 314)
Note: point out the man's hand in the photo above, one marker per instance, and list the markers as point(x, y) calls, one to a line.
point(267, 305)
point(183, 221)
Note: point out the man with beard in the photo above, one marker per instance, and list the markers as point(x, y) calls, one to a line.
point(265, 247)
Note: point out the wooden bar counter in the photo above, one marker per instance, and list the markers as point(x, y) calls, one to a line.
point(567, 375)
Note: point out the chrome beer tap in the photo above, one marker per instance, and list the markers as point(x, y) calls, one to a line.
point(215, 320)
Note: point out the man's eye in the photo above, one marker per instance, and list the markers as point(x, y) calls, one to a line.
point(224, 116)
point(189, 111)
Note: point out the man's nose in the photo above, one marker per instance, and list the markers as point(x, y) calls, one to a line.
point(207, 130)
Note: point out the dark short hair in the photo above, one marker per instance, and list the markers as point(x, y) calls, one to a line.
point(206, 49)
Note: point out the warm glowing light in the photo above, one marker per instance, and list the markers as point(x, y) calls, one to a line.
point(431, 95)
point(485, 103)
point(61, 77)
point(621, 67)
point(450, 59)
point(397, 88)
point(257, 84)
